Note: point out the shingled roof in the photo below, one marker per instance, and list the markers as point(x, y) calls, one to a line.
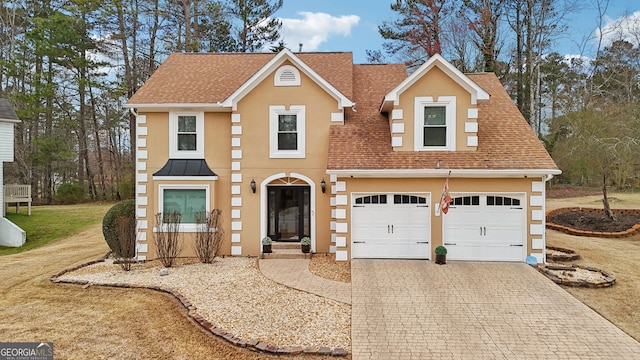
point(179, 80)
point(505, 140)
point(6, 111)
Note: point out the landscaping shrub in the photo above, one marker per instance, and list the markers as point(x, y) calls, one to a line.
point(127, 239)
point(126, 208)
point(209, 235)
point(69, 193)
point(167, 238)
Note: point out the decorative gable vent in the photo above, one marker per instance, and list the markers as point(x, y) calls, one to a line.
point(287, 75)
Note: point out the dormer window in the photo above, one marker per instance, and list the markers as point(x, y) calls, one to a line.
point(287, 75)
point(435, 125)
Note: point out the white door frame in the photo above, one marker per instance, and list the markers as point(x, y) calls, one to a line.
point(264, 216)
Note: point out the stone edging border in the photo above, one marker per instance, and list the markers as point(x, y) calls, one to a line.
point(571, 255)
point(253, 345)
point(609, 279)
point(635, 229)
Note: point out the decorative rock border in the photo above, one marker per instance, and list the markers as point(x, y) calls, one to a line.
point(635, 229)
point(548, 271)
point(253, 345)
point(566, 254)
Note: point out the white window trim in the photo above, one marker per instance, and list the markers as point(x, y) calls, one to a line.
point(162, 188)
point(174, 153)
point(278, 76)
point(274, 112)
point(449, 102)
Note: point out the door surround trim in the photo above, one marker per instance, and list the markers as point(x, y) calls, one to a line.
point(264, 216)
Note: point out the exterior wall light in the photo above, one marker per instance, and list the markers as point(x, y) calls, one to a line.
point(323, 186)
point(253, 185)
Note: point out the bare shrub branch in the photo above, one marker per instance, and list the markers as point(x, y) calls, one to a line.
point(167, 238)
point(126, 227)
point(209, 235)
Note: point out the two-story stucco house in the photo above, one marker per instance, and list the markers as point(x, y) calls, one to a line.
point(355, 156)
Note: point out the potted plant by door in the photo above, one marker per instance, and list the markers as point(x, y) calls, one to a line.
point(305, 243)
point(441, 255)
point(266, 244)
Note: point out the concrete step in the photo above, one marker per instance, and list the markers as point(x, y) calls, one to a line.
point(286, 254)
point(285, 245)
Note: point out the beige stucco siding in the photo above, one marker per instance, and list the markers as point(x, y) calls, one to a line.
point(217, 154)
point(435, 84)
point(257, 164)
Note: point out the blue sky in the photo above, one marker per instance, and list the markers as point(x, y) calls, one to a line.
point(351, 25)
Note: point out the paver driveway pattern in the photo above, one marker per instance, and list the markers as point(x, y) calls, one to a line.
point(406, 309)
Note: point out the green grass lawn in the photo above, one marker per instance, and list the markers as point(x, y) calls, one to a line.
point(49, 223)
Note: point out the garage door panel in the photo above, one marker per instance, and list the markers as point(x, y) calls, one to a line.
point(397, 229)
point(486, 230)
point(403, 250)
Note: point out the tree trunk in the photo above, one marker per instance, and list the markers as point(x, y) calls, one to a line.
point(96, 132)
point(605, 200)
point(82, 134)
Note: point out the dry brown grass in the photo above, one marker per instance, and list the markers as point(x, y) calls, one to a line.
point(619, 303)
point(326, 266)
point(97, 322)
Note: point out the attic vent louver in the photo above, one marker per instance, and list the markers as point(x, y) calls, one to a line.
point(287, 75)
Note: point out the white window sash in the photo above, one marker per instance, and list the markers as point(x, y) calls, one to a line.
point(174, 153)
point(449, 102)
point(274, 112)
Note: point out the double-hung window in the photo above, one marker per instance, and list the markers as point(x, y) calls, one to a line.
point(186, 135)
point(287, 131)
point(435, 126)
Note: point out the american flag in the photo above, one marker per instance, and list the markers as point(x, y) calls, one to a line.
point(445, 199)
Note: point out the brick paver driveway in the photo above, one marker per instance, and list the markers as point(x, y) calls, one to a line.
point(405, 309)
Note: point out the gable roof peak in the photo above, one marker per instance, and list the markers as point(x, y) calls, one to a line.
point(271, 66)
point(436, 60)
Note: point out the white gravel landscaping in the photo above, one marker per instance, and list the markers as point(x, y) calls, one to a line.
point(233, 294)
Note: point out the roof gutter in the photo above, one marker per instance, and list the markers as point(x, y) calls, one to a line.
point(547, 174)
point(219, 107)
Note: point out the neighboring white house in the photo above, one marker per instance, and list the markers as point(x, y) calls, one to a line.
point(10, 234)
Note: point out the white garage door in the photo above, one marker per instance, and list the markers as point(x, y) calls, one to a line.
point(485, 227)
point(391, 226)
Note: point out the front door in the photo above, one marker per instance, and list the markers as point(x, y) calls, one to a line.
point(289, 212)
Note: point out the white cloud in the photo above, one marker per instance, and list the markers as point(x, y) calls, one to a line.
point(315, 28)
point(626, 27)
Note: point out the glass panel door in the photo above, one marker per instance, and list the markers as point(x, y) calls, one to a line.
point(289, 212)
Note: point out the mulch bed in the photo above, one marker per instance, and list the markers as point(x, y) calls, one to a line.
point(594, 221)
point(563, 192)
